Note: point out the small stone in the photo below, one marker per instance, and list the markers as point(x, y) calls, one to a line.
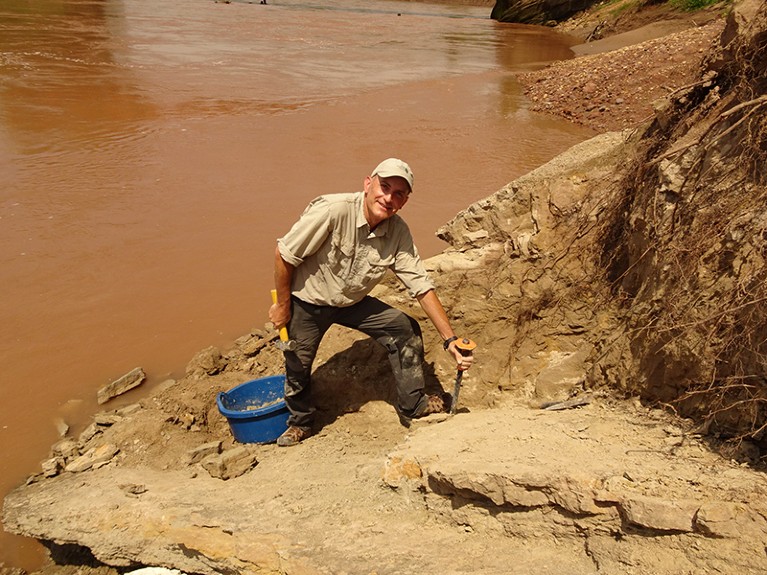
point(52, 467)
point(129, 409)
point(201, 452)
point(89, 433)
point(66, 448)
point(209, 361)
point(106, 419)
point(132, 379)
point(95, 456)
point(660, 514)
point(230, 464)
point(133, 488)
point(398, 470)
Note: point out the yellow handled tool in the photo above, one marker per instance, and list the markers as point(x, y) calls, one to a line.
point(284, 344)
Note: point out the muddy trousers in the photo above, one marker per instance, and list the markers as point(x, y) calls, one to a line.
point(399, 333)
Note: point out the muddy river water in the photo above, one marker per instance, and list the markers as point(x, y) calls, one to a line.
point(151, 152)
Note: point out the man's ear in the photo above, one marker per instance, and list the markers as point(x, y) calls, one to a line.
point(366, 184)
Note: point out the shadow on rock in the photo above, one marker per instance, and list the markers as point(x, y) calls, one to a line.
point(355, 376)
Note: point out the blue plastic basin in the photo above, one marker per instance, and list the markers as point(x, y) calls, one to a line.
point(256, 410)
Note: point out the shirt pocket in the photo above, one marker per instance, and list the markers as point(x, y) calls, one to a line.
point(341, 256)
point(376, 259)
point(377, 264)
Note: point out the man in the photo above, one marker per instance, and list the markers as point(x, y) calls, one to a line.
point(326, 265)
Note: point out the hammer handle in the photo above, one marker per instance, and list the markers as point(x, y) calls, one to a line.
point(283, 330)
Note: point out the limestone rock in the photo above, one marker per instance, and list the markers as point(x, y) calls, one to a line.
point(95, 456)
point(207, 362)
point(585, 475)
point(52, 467)
point(231, 463)
point(563, 372)
point(62, 428)
point(252, 344)
point(660, 514)
point(66, 448)
point(88, 433)
point(130, 380)
point(728, 519)
point(106, 419)
point(201, 452)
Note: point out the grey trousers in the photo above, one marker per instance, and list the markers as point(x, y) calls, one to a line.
point(399, 333)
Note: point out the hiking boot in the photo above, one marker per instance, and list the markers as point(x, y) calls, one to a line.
point(436, 404)
point(293, 436)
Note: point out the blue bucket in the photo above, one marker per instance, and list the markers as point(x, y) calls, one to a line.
point(256, 410)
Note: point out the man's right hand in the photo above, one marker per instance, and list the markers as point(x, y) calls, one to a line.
point(279, 315)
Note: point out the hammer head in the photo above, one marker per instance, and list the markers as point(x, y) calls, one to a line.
point(285, 345)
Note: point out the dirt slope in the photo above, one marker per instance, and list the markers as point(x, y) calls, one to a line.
point(617, 89)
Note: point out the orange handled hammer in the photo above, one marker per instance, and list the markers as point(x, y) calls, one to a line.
point(466, 347)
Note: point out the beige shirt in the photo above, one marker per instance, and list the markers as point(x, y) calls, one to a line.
point(338, 260)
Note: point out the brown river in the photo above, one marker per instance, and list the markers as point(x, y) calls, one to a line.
point(151, 153)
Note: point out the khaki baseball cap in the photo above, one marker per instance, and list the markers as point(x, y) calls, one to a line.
point(394, 167)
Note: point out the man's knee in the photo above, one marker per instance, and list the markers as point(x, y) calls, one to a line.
point(404, 328)
point(404, 339)
point(414, 327)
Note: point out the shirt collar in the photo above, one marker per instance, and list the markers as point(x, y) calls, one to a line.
point(362, 222)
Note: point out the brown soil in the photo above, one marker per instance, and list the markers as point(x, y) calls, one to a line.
point(640, 58)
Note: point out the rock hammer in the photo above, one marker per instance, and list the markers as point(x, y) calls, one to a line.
point(466, 347)
point(283, 344)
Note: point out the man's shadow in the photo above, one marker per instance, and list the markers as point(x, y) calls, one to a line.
point(356, 376)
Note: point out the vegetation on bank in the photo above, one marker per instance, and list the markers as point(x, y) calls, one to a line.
point(692, 5)
point(543, 12)
point(682, 238)
point(684, 248)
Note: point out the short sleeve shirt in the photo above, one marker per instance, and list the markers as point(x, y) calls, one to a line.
point(338, 260)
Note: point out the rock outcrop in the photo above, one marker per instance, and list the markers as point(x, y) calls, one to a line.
point(602, 488)
point(537, 11)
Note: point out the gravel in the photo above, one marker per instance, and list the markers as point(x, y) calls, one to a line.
point(616, 90)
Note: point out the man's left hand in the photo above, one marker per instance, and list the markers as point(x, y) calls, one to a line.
point(463, 362)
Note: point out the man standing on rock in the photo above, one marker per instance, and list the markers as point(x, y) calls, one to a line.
point(326, 265)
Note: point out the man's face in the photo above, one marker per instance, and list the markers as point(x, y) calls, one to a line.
point(384, 197)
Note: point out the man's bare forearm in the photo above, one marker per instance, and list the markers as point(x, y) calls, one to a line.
point(279, 313)
point(433, 307)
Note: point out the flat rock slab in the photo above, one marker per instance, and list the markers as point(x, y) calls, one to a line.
point(583, 491)
point(608, 475)
point(585, 461)
point(130, 380)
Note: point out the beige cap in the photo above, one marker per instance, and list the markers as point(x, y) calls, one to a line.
point(394, 167)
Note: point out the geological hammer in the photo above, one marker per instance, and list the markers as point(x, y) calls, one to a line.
point(466, 347)
point(284, 344)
